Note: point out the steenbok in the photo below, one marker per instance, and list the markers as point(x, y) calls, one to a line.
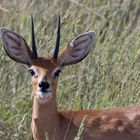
point(105, 124)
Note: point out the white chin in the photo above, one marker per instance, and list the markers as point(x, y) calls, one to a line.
point(43, 97)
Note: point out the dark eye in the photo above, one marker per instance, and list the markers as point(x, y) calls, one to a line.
point(56, 74)
point(31, 72)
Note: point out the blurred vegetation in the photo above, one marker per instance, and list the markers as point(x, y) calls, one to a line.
point(108, 77)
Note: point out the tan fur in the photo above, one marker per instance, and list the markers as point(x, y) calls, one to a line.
point(107, 124)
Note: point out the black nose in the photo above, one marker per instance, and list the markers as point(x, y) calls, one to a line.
point(44, 85)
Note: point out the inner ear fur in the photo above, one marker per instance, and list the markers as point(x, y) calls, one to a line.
point(16, 47)
point(77, 49)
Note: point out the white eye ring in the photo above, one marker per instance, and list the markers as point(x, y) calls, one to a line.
point(56, 72)
point(32, 71)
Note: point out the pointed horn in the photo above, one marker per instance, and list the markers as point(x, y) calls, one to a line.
point(34, 52)
point(55, 55)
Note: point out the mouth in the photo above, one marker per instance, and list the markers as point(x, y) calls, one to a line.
point(44, 95)
point(44, 91)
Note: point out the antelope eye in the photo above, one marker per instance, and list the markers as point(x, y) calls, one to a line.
point(56, 74)
point(32, 72)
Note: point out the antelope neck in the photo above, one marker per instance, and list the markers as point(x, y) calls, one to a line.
point(44, 110)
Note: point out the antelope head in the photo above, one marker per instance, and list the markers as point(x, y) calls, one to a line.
point(45, 70)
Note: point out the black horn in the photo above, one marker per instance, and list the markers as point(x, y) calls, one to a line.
point(34, 55)
point(55, 55)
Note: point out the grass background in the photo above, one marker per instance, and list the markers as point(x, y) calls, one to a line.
point(108, 77)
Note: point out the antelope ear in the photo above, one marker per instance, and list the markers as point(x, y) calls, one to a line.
point(16, 47)
point(77, 49)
